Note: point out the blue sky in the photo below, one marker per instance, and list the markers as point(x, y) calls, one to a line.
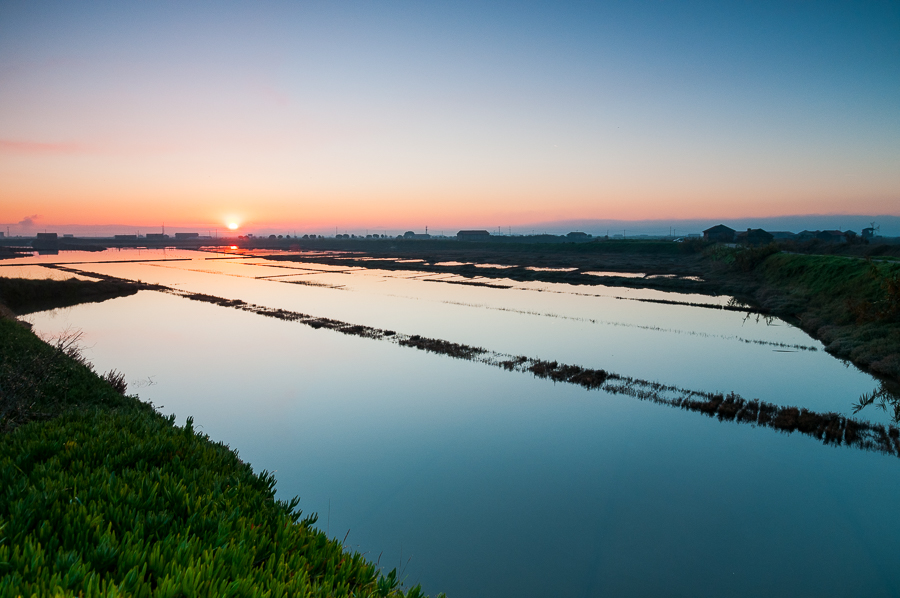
point(396, 113)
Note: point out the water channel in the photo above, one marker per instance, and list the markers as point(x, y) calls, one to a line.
point(478, 482)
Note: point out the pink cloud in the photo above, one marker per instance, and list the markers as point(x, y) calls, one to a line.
point(8, 146)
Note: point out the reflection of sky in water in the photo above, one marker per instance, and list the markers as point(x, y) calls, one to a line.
point(496, 483)
point(71, 257)
point(695, 348)
point(38, 273)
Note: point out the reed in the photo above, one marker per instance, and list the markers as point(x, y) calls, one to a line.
point(830, 428)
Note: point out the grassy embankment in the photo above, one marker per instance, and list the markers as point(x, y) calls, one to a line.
point(850, 304)
point(102, 496)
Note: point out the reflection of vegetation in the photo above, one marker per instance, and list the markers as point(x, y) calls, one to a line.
point(830, 428)
point(885, 398)
point(769, 320)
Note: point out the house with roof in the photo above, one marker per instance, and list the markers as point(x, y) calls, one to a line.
point(719, 233)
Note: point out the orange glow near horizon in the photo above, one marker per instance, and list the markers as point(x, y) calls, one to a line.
point(463, 208)
point(135, 119)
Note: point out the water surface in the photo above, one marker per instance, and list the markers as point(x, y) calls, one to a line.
point(481, 482)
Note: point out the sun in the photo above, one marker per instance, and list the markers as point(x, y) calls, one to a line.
point(232, 225)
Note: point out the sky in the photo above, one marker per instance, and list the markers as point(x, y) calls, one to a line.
point(399, 115)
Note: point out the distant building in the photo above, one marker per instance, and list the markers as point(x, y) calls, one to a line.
point(125, 237)
point(719, 233)
point(157, 236)
point(867, 233)
point(411, 235)
point(187, 235)
point(577, 236)
point(755, 237)
point(67, 236)
point(782, 235)
point(473, 235)
point(807, 235)
point(831, 236)
point(45, 241)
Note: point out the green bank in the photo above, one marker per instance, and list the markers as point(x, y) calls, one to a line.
point(851, 304)
point(102, 496)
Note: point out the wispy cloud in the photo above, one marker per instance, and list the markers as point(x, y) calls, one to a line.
point(29, 220)
point(9, 146)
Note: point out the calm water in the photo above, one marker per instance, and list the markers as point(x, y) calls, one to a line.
point(481, 482)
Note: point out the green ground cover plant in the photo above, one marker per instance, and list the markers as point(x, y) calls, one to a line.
point(102, 496)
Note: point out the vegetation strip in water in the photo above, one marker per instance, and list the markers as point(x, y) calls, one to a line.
point(103, 496)
point(25, 295)
point(851, 305)
point(550, 262)
point(846, 295)
point(830, 428)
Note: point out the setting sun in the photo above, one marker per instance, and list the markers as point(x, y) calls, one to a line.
point(232, 225)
